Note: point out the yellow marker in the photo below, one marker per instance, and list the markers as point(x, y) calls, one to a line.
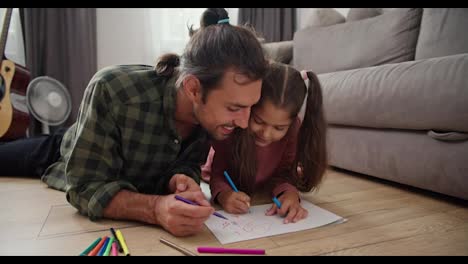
point(122, 242)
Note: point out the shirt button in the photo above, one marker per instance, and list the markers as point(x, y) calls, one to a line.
point(176, 141)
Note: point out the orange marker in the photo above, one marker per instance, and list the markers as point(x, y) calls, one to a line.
point(98, 247)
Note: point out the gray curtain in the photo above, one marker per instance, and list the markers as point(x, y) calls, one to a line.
point(273, 24)
point(61, 43)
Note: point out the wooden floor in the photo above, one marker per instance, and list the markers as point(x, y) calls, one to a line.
point(383, 219)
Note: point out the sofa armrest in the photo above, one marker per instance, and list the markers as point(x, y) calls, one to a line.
point(281, 51)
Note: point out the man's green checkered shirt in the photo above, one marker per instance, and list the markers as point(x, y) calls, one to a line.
point(124, 138)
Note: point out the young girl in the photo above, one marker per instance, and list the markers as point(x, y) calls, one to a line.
point(277, 151)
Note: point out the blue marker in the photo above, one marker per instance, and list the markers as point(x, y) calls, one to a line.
point(226, 175)
point(230, 181)
point(277, 202)
point(104, 246)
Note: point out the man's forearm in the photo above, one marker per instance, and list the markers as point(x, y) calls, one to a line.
point(127, 205)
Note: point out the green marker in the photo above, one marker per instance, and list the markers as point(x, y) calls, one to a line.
point(88, 249)
point(109, 246)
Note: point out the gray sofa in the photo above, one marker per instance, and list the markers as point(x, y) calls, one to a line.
point(395, 92)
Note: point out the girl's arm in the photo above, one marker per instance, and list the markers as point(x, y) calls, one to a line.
point(284, 182)
point(219, 163)
point(282, 179)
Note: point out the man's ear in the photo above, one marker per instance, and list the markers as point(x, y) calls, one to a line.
point(192, 88)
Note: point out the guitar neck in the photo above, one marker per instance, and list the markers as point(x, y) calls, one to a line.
point(6, 25)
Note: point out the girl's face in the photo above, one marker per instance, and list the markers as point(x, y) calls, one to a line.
point(269, 123)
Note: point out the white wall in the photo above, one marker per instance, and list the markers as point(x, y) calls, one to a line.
point(304, 13)
point(121, 37)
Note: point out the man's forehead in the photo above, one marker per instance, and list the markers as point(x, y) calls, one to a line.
point(241, 78)
point(236, 76)
point(241, 95)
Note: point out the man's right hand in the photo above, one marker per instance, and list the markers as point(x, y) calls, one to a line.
point(179, 218)
point(234, 202)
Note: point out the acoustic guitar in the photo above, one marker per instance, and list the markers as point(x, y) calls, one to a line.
point(14, 80)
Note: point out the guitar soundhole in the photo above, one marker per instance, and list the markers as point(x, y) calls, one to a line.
point(2, 88)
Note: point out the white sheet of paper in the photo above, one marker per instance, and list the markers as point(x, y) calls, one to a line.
point(256, 224)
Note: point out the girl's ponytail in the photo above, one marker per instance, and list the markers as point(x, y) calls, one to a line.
point(311, 155)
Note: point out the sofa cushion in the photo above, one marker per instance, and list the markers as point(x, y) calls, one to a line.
point(390, 37)
point(362, 13)
point(322, 17)
point(279, 51)
point(428, 94)
point(443, 32)
point(409, 157)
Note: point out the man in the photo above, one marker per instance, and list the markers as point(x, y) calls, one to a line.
point(141, 135)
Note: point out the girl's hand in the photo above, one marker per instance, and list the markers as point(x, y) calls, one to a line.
point(290, 207)
point(234, 202)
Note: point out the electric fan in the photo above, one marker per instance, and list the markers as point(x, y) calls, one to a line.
point(49, 102)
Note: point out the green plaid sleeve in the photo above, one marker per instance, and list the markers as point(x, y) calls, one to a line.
point(192, 165)
point(188, 163)
point(93, 167)
point(192, 170)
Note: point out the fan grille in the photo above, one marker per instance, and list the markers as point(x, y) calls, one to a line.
point(48, 100)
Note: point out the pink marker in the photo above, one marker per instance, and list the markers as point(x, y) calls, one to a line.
point(114, 249)
point(231, 250)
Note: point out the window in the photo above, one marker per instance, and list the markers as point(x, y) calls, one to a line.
point(144, 34)
point(169, 27)
point(14, 49)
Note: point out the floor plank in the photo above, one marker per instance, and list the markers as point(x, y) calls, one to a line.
point(384, 218)
point(396, 230)
point(451, 242)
